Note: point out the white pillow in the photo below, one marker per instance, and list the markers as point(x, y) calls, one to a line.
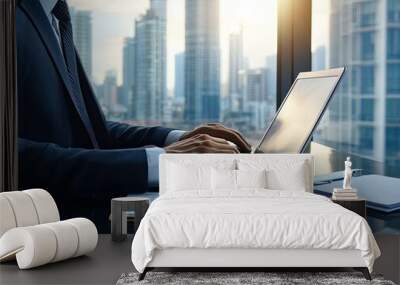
point(183, 178)
point(251, 179)
point(293, 179)
point(187, 176)
point(226, 179)
point(223, 179)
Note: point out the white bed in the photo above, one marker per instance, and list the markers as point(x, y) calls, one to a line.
point(194, 223)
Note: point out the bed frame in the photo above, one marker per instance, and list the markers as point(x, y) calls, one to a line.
point(242, 259)
point(246, 259)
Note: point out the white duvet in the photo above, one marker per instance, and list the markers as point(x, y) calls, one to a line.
point(250, 219)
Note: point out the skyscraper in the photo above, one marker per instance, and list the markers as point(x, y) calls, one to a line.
point(257, 101)
point(179, 92)
point(202, 61)
point(150, 89)
point(256, 85)
point(128, 74)
point(236, 65)
point(271, 71)
point(82, 31)
point(363, 117)
point(159, 7)
point(110, 91)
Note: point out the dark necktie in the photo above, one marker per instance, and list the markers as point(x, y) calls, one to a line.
point(61, 12)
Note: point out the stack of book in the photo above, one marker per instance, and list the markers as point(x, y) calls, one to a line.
point(344, 194)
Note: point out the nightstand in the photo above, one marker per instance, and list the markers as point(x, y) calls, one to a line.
point(120, 207)
point(357, 206)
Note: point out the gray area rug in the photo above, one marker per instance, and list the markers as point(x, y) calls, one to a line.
point(229, 278)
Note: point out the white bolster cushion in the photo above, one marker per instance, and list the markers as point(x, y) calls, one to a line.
point(23, 208)
point(26, 208)
point(32, 246)
point(66, 238)
point(7, 219)
point(37, 245)
point(45, 205)
point(87, 235)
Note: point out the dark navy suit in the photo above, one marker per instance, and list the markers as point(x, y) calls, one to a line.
point(55, 150)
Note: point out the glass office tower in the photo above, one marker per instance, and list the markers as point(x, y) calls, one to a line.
point(236, 66)
point(128, 74)
point(364, 116)
point(159, 7)
point(149, 85)
point(202, 61)
point(82, 30)
point(179, 87)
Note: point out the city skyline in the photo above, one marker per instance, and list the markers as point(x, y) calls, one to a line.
point(113, 21)
point(202, 61)
point(361, 118)
point(142, 94)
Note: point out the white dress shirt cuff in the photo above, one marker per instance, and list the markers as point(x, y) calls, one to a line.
point(153, 154)
point(173, 136)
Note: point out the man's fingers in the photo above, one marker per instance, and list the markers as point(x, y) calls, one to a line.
point(213, 143)
point(219, 133)
point(233, 137)
point(206, 137)
point(202, 143)
point(228, 133)
point(241, 136)
point(201, 149)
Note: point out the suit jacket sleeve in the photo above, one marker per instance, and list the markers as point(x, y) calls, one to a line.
point(127, 136)
point(81, 172)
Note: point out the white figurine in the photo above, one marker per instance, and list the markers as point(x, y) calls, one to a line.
point(347, 174)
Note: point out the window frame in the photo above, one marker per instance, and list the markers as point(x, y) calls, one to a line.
point(293, 56)
point(8, 97)
point(294, 43)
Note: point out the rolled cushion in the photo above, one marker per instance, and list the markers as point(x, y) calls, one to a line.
point(66, 238)
point(23, 208)
point(45, 205)
point(7, 218)
point(87, 235)
point(37, 245)
point(33, 246)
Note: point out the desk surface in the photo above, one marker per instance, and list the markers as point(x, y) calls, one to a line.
point(103, 266)
point(328, 160)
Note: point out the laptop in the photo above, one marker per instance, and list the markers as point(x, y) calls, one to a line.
point(298, 116)
point(294, 123)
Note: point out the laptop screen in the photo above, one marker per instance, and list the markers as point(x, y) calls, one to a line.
point(298, 116)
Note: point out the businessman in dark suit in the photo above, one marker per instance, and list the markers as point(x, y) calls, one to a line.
point(65, 144)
